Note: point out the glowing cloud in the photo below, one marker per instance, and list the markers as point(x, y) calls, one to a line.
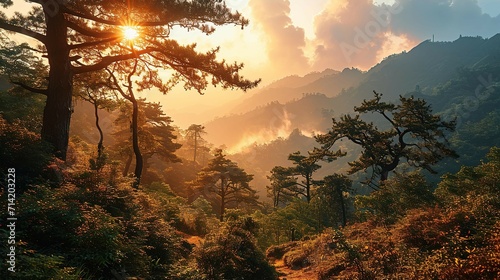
point(361, 33)
point(284, 41)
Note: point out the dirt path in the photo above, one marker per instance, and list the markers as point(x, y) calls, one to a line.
point(286, 273)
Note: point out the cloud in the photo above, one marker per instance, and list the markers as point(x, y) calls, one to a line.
point(447, 19)
point(284, 41)
point(360, 33)
point(355, 34)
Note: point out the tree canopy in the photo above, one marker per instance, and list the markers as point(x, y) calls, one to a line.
point(155, 134)
point(225, 183)
point(78, 37)
point(414, 134)
point(194, 131)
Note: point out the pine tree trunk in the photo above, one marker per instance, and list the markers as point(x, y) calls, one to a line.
point(100, 146)
point(308, 189)
point(195, 145)
point(342, 206)
point(222, 208)
point(222, 199)
point(58, 107)
point(139, 162)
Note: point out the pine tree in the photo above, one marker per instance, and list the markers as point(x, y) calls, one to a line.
point(414, 134)
point(78, 37)
point(225, 183)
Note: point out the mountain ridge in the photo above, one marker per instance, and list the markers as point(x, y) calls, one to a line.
point(422, 68)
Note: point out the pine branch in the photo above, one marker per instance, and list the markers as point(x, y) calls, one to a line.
point(32, 89)
point(108, 60)
point(89, 32)
point(89, 17)
point(21, 30)
point(94, 43)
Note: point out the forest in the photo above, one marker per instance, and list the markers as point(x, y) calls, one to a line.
point(400, 180)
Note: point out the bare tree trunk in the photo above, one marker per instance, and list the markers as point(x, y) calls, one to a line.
point(222, 207)
point(58, 107)
point(139, 162)
point(195, 145)
point(386, 168)
point(342, 206)
point(277, 199)
point(101, 135)
point(308, 189)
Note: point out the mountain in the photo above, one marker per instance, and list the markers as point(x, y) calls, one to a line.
point(309, 114)
point(296, 81)
point(328, 82)
point(425, 66)
point(308, 107)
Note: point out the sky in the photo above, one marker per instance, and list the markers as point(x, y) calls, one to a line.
point(295, 37)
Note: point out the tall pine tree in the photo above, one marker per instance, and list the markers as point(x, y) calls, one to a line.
point(84, 36)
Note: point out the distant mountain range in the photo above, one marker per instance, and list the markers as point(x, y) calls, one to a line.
point(308, 103)
point(328, 82)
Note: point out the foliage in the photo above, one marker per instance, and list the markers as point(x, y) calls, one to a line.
point(99, 226)
point(332, 199)
point(178, 176)
point(83, 37)
point(404, 192)
point(285, 182)
point(453, 234)
point(23, 150)
point(474, 139)
point(304, 166)
point(156, 135)
point(414, 134)
point(281, 183)
point(225, 184)
point(296, 220)
point(20, 65)
point(197, 218)
point(194, 133)
point(23, 107)
point(231, 253)
point(34, 265)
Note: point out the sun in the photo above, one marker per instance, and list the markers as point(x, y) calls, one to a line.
point(130, 32)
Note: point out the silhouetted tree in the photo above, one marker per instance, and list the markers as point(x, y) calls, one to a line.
point(194, 131)
point(332, 190)
point(223, 181)
point(304, 166)
point(414, 134)
point(281, 181)
point(84, 36)
point(154, 135)
point(285, 180)
point(97, 92)
point(128, 94)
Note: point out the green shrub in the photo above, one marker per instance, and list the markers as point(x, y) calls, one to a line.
point(231, 253)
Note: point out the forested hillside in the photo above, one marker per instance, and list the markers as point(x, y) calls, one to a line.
point(423, 69)
point(390, 173)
